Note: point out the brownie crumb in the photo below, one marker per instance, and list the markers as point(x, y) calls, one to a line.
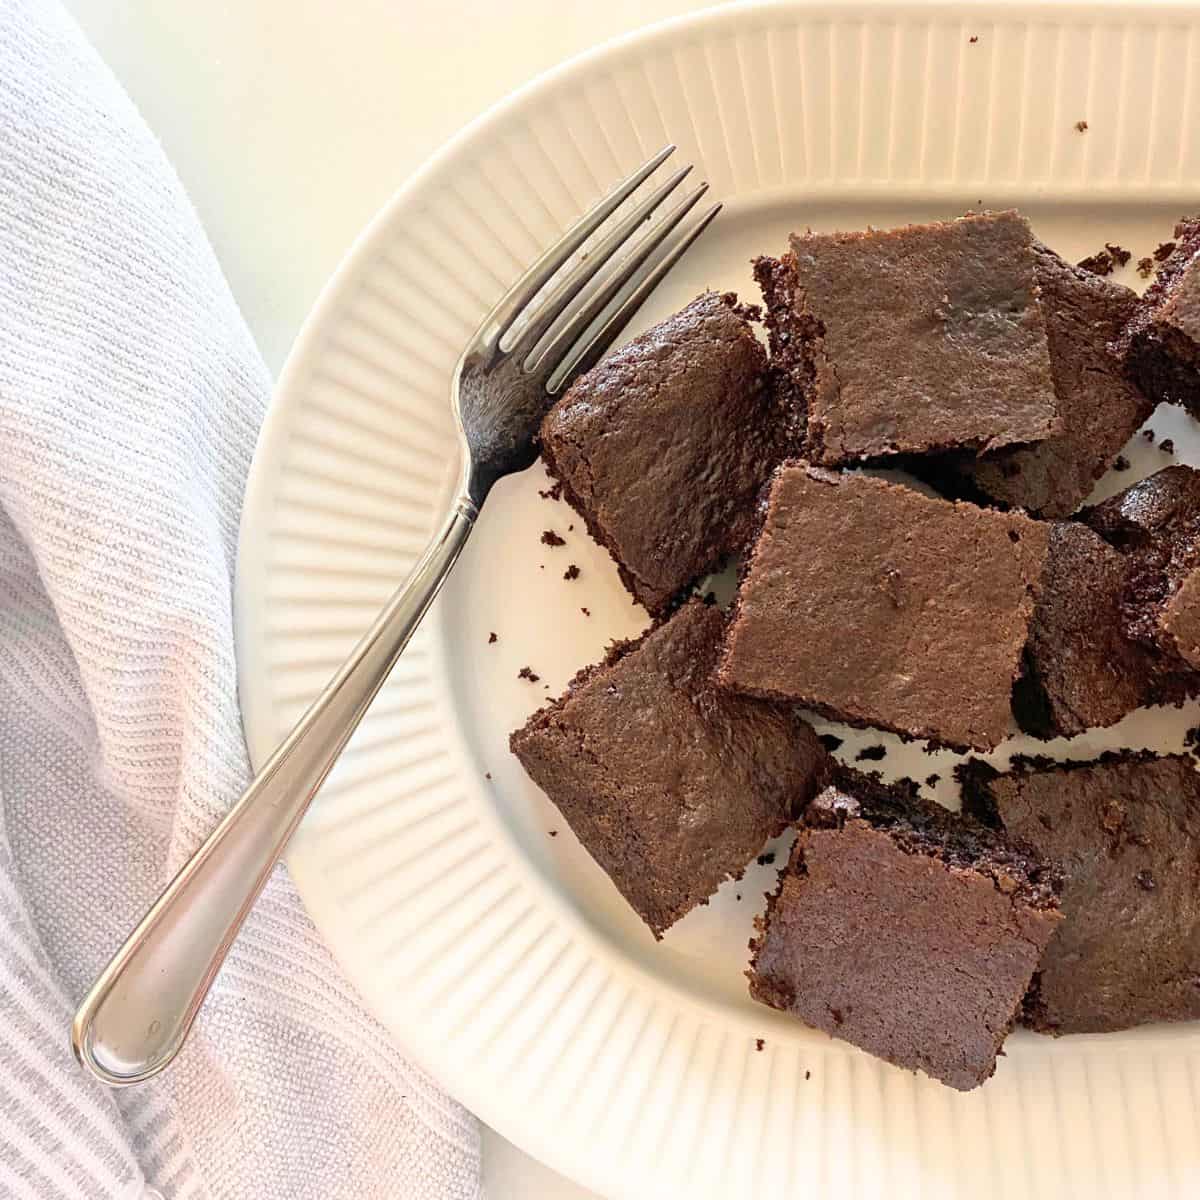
point(1191, 739)
point(572, 572)
point(487, 774)
point(1163, 250)
point(587, 612)
point(1118, 254)
point(1167, 446)
point(871, 754)
point(1145, 266)
point(1081, 126)
point(765, 860)
point(1100, 263)
point(748, 312)
point(527, 673)
point(737, 895)
point(1148, 434)
point(830, 741)
point(570, 528)
point(807, 1076)
point(552, 832)
point(1120, 463)
point(758, 1043)
point(550, 538)
point(1145, 879)
point(932, 780)
point(551, 493)
point(972, 40)
point(492, 639)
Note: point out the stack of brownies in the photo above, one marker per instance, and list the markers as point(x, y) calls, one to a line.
point(1005, 380)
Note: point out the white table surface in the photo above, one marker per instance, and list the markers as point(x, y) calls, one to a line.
point(292, 121)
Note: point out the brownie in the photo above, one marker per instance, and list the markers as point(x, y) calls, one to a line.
point(1180, 620)
point(904, 929)
point(1099, 406)
point(788, 329)
point(1155, 525)
point(1081, 670)
point(663, 447)
point(1160, 346)
point(924, 338)
point(874, 604)
point(670, 784)
point(1126, 831)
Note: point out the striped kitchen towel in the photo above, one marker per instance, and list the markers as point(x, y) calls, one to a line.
point(130, 397)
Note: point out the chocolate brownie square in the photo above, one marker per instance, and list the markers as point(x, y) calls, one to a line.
point(911, 340)
point(874, 604)
point(1081, 669)
point(663, 447)
point(1099, 406)
point(671, 784)
point(1155, 525)
point(1161, 344)
point(904, 929)
point(1125, 830)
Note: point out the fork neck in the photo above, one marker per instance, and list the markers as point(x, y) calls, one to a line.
point(473, 488)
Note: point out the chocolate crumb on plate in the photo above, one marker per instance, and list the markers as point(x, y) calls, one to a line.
point(972, 40)
point(552, 832)
point(1118, 254)
point(554, 492)
point(1081, 126)
point(587, 612)
point(932, 780)
point(487, 774)
point(527, 673)
point(876, 753)
point(1148, 434)
point(492, 639)
point(830, 741)
point(1100, 263)
point(1145, 267)
point(758, 1043)
point(1167, 446)
point(550, 538)
point(572, 572)
point(1121, 463)
point(765, 860)
point(1163, 251)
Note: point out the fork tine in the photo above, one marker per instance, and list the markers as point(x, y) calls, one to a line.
point(577, 278)
point(497, 322)
point(585, 355)
point(576, 322)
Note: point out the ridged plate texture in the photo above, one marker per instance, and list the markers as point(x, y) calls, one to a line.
point(500, 955)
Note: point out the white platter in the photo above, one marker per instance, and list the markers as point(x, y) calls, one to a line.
point(500, 956)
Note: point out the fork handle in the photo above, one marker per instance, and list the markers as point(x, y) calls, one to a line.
point(138, 1012)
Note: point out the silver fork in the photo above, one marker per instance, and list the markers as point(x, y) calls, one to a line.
point(541, 335)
